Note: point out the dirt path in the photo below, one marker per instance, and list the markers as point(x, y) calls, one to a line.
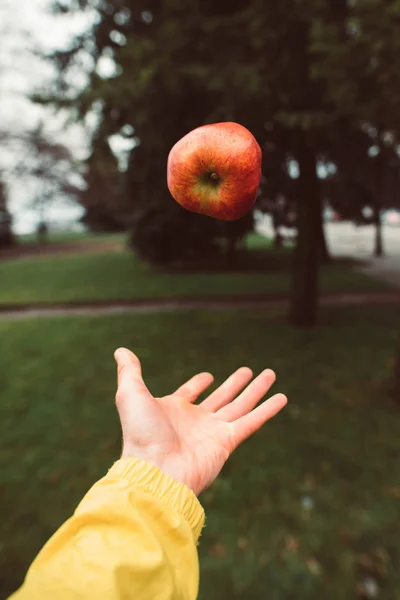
point(57, 248)
point(15, 312)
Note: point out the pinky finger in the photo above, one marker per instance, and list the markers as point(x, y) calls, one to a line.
point(244, 427)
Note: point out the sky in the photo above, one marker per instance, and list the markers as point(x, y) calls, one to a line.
point(27, 24)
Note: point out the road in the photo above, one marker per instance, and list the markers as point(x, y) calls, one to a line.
point(345, 239)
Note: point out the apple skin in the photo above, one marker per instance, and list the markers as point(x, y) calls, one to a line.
point(215, 170)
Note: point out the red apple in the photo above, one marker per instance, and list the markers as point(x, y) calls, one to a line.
point(215, 170)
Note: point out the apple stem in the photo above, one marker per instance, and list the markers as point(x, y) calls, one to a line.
point(214, 176)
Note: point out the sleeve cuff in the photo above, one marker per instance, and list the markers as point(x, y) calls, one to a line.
point(172, 493)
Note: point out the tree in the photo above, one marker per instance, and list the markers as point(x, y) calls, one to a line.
point(168, 81)
point(396, 378)
point(365, 78)
point(170, 236)
point(303, 308)
point(298, 104)
point(364, 82)
point(102, 197)
point(285, 70)
point(163, 101)
point(49, 170)
point(354, 186)
point(6, 235)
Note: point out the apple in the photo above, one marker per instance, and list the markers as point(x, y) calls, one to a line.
point(215, 170)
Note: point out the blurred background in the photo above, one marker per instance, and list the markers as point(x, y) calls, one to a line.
point(95, 254)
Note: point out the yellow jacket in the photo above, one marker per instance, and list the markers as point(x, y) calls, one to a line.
point(133, 536)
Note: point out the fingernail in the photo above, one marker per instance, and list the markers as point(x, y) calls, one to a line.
point(118, 354)
point(269, 372)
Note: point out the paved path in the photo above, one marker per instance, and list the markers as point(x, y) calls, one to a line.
point(387, 269)
point(345, 239)
point(145, 307)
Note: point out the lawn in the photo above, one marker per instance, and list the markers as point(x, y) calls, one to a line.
point(121, 276)
point(308, 509)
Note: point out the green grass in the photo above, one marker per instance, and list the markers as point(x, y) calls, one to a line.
point(121, 276)
point(335, 445)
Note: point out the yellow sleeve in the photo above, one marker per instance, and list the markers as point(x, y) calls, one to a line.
point(133, 536)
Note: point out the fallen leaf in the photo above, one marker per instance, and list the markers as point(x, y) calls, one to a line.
point(393, 491)
point(313, 566)
point(242, 543)
point(217, 550)
point(291, 543)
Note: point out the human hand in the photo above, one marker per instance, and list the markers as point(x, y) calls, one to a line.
point(191, 442)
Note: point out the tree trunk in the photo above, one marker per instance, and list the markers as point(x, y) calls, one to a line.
point(396, 386)
point(42, 236)
point(42, 233)
point(278, 241)
point(378, 249)
point(324, 255)
point(6, 236)
point(276, 222)
point(42, 228)
point(231, 252)
point(304, 294)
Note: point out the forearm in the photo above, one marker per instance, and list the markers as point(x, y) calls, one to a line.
point(134, 535)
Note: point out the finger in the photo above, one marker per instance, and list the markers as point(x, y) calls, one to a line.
point(228, 390)
point(192, 389)
point(245, 426)
point(249, 398)
point(129, 372)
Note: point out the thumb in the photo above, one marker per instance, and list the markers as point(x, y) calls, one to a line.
point(129, 371)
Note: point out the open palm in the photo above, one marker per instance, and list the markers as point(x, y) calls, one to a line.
point(191, 442)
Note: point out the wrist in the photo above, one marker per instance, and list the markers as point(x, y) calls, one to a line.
point(142, 474)
point(159, 459)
